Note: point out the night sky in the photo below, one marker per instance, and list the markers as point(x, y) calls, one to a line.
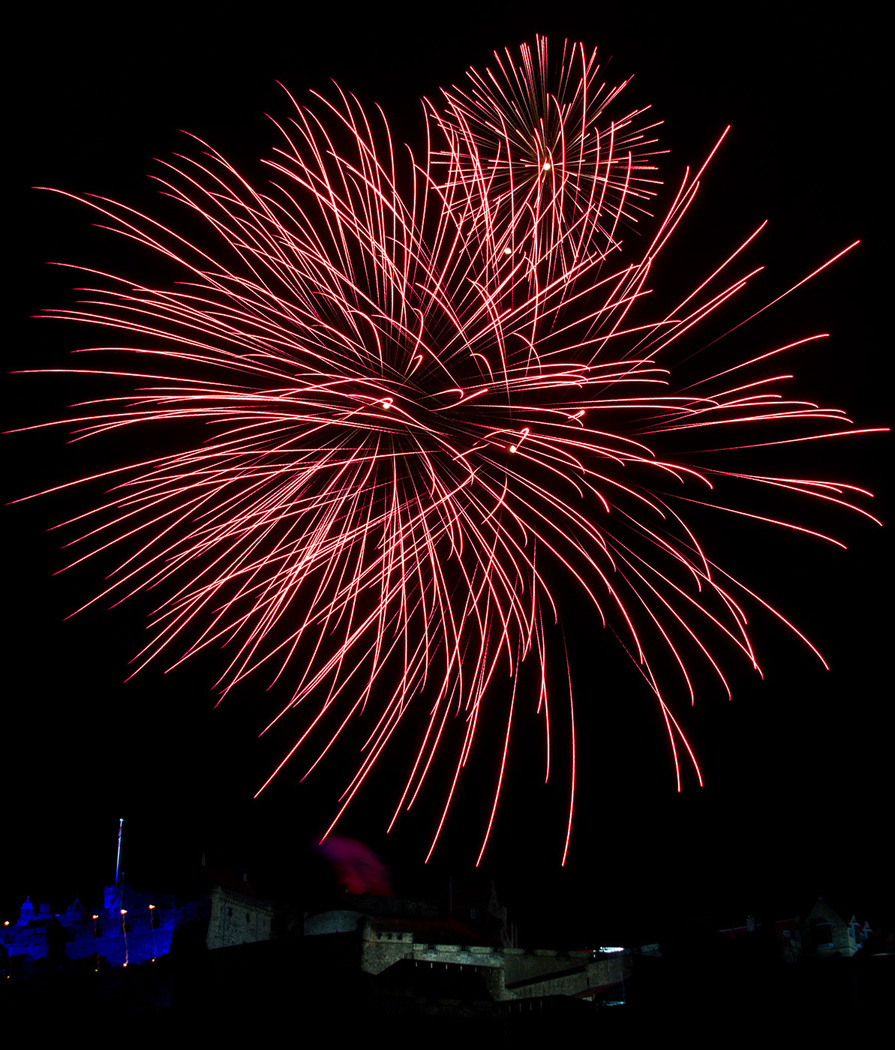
point(797, 796)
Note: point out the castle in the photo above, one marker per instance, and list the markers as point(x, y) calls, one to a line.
point(361, 956)
point(131, 928)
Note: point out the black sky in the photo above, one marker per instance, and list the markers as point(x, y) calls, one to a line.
point(797, 798)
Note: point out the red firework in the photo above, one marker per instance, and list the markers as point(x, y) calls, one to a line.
point(415, 424)
point(560, 166)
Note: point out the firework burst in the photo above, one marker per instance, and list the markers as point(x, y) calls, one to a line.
point(559, 163)
point(427, 384)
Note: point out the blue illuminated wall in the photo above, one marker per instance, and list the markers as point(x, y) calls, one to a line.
point(130, 928)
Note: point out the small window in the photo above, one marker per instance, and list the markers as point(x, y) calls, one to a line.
point(823, 934)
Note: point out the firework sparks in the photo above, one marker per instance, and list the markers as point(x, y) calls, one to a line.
point(427, 384)
point(543, 145)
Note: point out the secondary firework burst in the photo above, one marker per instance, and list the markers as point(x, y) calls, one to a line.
point(563, 166)
point(428, 385)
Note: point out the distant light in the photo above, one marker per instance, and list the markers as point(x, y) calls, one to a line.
point(611, 949)
point(546, 166)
